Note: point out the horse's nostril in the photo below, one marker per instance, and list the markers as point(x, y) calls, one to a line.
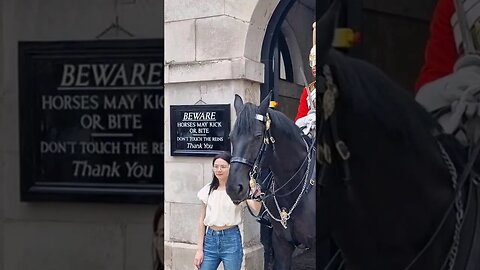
point(240, 188)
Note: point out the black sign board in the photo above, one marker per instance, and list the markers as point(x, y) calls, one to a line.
point(91, 120)
point(199, 130)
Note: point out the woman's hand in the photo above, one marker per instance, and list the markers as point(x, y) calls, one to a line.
point(256, 192)
point(198, 259)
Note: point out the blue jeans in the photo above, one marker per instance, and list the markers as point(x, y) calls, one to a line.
point(222, 246)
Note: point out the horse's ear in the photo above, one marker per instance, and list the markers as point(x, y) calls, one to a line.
point(262, 109)
point(326, 28)
point(238, 104)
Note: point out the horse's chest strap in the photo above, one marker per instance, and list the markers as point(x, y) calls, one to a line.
point(470, 239)
point(290, 236)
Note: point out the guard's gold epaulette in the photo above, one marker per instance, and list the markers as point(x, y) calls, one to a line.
point(311, 86)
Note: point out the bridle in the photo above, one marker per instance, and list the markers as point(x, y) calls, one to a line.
point(256, 165)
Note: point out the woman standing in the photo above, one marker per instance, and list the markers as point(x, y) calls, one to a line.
point(219, 237)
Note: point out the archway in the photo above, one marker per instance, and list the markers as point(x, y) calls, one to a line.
point(285, 50)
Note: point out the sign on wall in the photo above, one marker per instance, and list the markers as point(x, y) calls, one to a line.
point(199, 130)
point(91, 120)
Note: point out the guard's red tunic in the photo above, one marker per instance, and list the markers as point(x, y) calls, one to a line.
point(303, 105)
point(440, 52)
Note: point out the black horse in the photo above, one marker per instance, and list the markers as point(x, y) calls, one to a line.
point(394, 191)
point(263, 137)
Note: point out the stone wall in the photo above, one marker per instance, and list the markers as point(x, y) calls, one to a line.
point(212, 52)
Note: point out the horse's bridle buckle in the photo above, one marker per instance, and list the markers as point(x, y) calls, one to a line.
point(342, 150)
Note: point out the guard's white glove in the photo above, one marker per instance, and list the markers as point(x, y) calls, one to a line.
point(458, 90)
point(307, 123)
point(312, 99)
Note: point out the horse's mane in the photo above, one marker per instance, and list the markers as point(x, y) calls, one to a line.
point(289, 128)
point(246, 121)
point(370, 93)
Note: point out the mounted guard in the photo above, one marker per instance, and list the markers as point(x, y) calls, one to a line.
point(306, 115)
point(453, 98)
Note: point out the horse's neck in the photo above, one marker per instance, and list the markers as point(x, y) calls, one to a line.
point(387, 177)
point(286, 159)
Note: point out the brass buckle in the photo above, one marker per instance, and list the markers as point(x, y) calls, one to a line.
point(328, 103)
point(252, 183)
point(342, 150)
point(268, 122)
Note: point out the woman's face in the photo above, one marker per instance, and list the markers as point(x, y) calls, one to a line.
point(159, 239)
point(221, 169)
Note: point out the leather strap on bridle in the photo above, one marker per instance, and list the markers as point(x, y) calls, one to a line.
point(255, 165)
point(328, 129)
point(241, 160)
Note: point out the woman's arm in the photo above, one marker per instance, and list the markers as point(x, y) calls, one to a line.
point(255, 205)
point(201, 236)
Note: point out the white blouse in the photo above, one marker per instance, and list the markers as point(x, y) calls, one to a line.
point(221, 211)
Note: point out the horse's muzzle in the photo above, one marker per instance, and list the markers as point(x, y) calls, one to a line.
point(236, 202)
point(237, 193)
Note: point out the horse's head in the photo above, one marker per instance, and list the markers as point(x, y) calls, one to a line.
point(246, 138)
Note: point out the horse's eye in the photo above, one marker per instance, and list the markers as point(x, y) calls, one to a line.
point(258, 135)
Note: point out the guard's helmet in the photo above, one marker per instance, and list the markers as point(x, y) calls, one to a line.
point(313, 52)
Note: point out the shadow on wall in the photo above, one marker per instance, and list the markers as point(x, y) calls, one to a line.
point(158, 236)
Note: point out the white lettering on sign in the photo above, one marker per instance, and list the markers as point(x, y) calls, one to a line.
point(83, 168)
point(83, 75)
point(194, 145)
point(138, 171)
point(196, 116)
point(109, 148)
point(74, 102)
point(133, 148)
point(153, 102)
point(158, 148)
point(123, 102)
point(57, 147)
point(124, 121)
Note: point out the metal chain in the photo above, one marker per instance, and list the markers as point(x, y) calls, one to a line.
point(452, 254)
point(305, 178)
point(296, 201)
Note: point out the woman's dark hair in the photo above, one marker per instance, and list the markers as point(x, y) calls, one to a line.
point(215, 183)
point(157, 262)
